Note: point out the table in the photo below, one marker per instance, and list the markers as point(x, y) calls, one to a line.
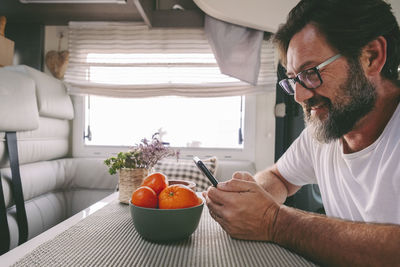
point(108, 238)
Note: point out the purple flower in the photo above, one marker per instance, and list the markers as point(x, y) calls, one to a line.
point(147, 153)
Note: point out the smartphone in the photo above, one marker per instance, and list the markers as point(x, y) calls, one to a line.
point(205, 171)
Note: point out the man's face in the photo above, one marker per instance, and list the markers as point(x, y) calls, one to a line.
point(356, 98)
point(345, 96)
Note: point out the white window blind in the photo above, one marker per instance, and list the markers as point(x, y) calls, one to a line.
point(132, 60)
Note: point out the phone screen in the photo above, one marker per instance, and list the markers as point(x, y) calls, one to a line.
point(205, 171)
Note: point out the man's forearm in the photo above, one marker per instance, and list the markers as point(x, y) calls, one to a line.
point(271, 181)
point(273, 185)
point(336, 242)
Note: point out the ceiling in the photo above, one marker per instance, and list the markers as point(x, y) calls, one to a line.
point(61, 14)
point(259, 14)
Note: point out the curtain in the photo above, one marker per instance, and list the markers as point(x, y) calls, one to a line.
point(132, 60)
point(236, 48)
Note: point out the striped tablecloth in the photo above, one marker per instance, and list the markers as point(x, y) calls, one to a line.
point(108, 238)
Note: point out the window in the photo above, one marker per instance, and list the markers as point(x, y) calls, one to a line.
point(180, 121)
point(143, 81)
point(212, 127)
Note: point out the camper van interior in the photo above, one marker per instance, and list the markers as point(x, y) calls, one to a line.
point(83, 80)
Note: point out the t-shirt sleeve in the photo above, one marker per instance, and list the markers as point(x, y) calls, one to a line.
point(296, 164)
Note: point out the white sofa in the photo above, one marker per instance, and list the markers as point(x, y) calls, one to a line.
point(226, 168)
point(55, 185)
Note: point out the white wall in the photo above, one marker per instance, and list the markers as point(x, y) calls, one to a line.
point(396, 8)
point(51, 40)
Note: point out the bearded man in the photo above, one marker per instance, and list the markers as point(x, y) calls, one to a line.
point(342, 59)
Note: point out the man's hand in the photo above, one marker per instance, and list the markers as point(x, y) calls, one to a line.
point(243, 208)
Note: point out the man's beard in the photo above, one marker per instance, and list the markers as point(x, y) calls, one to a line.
point(358, 97)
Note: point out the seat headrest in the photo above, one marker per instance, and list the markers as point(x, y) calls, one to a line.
point(18, 106)
point(53, 100)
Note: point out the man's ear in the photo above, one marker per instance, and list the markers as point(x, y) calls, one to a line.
point(373, 56)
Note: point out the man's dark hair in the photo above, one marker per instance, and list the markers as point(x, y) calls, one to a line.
point(348, 25)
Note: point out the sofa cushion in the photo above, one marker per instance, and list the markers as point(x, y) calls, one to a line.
point(17, 102)
point(55, 190)
point(49, 141)
point(226, 168)
point(42, 212)
point(37, 179)
point(186, 170)
point(88, 173)
point(42, 177)
point(53, 100)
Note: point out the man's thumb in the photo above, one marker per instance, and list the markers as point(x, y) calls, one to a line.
point(241, 175)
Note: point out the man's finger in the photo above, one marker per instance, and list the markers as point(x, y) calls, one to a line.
point(221, 197)
point(216, 196)
point(236, 185)
point(216, 213)
point(219, 220)
point(214, 208)
point(243, 176)
point(230, 191)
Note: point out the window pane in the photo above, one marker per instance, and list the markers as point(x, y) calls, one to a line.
point(182, 121)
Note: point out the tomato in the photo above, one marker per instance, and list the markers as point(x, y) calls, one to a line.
point(156, 181)
point(145, 197)
point(177, 197)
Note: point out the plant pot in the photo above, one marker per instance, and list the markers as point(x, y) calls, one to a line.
point(129, 181)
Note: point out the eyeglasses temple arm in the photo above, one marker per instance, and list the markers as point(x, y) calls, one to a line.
point(330, 60)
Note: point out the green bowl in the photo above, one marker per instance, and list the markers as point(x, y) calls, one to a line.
point(165, 225)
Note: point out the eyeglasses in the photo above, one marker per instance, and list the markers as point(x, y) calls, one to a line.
point(309, 79)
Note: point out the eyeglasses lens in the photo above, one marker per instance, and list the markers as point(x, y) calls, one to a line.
point(287, 85)
point(310, 79)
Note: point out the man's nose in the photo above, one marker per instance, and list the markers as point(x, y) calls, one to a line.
point(301, 94)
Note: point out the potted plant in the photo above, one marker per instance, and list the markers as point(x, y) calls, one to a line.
point(136, 163)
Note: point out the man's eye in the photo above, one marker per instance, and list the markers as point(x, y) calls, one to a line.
point(309, 74)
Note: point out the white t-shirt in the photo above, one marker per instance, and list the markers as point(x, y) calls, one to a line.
point(361, 186)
